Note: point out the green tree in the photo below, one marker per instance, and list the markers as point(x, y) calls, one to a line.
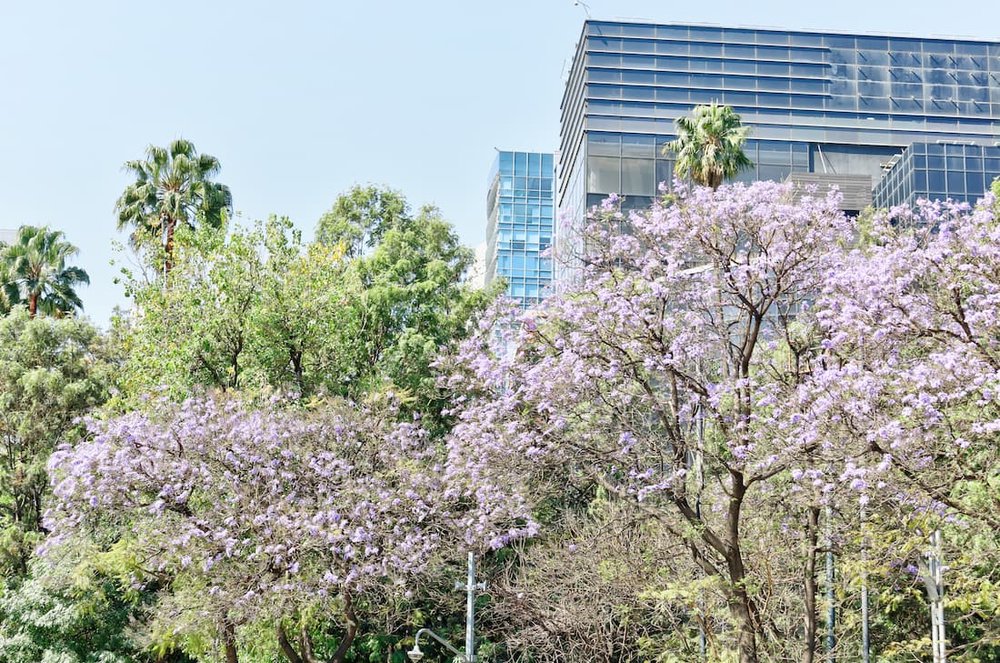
point(51, 617)
point(33, 271)
point(260, 309)
point(709, 145)
point(305, 305)
point(52, 371)
point(173, 187)
point(194, 333)
point(412, 301)
point(360, 218)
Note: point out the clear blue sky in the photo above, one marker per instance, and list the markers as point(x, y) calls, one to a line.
point(300, 100)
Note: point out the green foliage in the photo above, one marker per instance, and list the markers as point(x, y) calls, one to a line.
point(258, 309)
point(194, 332)
point(411, 302)
point(43, 620)
point(709, 145)
point(78, 606)
point(360, 218)
point(51, 372)
point(33, 272)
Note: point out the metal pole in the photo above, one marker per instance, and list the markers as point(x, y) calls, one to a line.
point(865, 634)
point(932, 577)
point(470, 611)
point(831, 615)
point(933, 574)
point(700, 476)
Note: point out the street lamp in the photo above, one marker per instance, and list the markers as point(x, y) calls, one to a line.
point(469, 656)
point(415, 654)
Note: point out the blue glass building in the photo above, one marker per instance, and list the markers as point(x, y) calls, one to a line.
point(520, 208)
point(822, 103)
point(938, 171)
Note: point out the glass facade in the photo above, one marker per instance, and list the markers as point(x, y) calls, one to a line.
point(816, 102)
point(938, 171)
point(520, 209)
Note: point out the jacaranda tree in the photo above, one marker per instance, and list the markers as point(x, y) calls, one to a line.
point(910, 393)
point(658, 378)
point(762, 380)
point(253, 518)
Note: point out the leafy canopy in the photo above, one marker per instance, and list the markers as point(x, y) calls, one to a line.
point(360, 218)
point(52, 371)
point(259, 308)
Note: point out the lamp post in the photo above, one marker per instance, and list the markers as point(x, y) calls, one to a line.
point(470, 587)
point(932, 572)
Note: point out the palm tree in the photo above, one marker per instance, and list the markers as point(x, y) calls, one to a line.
point(33, 271)
point(709, 145)
point(173, 186)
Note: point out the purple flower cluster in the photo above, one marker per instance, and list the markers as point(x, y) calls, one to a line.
point(264, 507)
point(751, 329)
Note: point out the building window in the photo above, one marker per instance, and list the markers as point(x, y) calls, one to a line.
point(637, 177)
point(603, 174)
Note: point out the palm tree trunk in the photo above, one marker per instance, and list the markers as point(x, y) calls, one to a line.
point(168, 247)
point(32, 304)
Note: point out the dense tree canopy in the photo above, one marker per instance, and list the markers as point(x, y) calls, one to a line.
point(285, 449)
point(260, 308)
point(52, 371)
point(361, 217)
point(270, 515)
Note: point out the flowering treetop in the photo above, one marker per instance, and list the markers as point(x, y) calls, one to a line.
point(680, 344)
point(265, 511)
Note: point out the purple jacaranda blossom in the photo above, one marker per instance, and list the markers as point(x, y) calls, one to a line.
point(273, 506)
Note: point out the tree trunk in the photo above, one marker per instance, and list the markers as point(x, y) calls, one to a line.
point(32, 304)
point(168, 246)
point(742, 612)
point(740, 605)
point(296, 357)
point(229, 642)
point(349, 632)
point(286, 646)
point(809, 608)
point(307, 646)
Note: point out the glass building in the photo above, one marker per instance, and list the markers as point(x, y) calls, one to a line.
point(520, 209)
point(820, 103)
point(939, 171)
